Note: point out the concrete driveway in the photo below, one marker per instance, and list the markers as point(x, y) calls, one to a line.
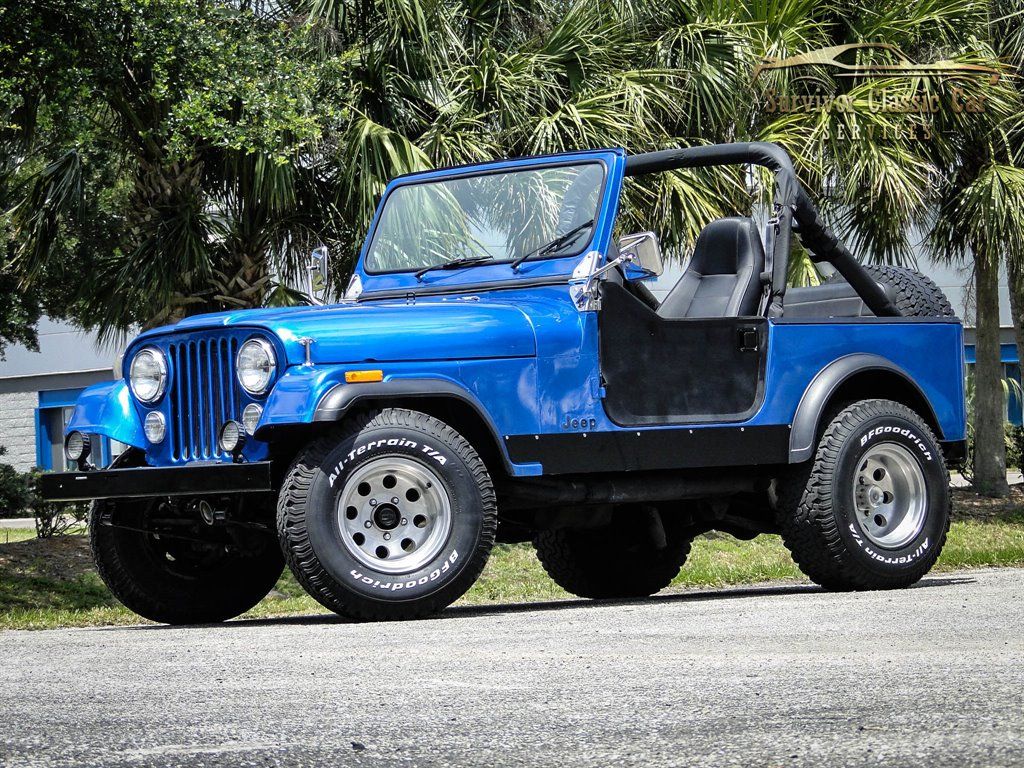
point(774, 676)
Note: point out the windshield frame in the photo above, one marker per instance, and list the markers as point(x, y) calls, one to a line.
point(563, 162)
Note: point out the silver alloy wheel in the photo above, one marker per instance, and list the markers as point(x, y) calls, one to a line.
point(890, 495)
point(394, 514)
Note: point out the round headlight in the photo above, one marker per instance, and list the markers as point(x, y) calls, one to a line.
point(148, 374)
point(77, 446)
point(231, 438)
point(255, 365)
point(251, 417)
point(154, 426)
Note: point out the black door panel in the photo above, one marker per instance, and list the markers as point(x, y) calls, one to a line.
point(690, 370)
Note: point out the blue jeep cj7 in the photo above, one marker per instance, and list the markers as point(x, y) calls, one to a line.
point(498, 371)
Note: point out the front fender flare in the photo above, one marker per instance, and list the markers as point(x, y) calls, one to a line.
point(820, 390)
point(340, 398)
point(304, 396)
point(107, 409)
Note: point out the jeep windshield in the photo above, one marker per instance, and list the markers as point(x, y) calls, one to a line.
point(487, 218)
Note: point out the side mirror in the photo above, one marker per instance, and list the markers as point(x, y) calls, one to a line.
point(318, 262)
point(641, 250)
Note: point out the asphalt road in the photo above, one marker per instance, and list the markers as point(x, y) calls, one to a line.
point(770, 676)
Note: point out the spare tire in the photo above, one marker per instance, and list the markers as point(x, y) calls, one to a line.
point(914, 294)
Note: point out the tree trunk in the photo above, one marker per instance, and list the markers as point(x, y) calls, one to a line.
point(1015, 272)
point(989, 406)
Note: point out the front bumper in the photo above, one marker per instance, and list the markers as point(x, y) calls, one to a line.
point(189, 480)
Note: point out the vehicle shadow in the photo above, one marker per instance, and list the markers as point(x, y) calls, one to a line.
point(497, 609)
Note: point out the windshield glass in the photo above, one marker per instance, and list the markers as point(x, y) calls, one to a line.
point(499, 216)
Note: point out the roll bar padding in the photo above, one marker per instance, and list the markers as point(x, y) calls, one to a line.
point(791, 202)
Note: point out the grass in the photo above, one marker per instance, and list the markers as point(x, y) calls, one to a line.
point(718, 561)
point(974, 544)
point(32, 603)
point(30, 599)
point(7, 535)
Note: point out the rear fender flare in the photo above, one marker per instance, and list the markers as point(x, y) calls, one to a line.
point(820, 391)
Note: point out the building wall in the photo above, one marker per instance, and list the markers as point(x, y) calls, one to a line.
point(18, 428)
point(38, 388)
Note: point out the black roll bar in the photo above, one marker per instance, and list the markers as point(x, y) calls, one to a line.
point(791, 202)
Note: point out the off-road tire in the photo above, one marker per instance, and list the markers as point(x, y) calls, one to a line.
point(914, 294)
point(817, 514)
point(311, 532)
point(611, 562)
point(139, 574)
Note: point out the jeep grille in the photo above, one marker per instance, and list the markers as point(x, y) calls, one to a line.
point(202, 396)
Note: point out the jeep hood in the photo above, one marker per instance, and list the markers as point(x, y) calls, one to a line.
point(386, 331)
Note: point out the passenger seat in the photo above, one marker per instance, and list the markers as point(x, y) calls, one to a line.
point(723, 278)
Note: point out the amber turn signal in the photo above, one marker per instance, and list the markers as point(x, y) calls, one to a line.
point(361, 377)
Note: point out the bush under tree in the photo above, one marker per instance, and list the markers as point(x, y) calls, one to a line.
point(15, 491)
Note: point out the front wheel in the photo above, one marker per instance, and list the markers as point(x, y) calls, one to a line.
point(872, 510)
point(393, 518)
point(171, 568)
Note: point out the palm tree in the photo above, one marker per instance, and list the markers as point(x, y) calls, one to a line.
point(959, 182)
point(1008, 38)
point(211, 207)
point(980, 206)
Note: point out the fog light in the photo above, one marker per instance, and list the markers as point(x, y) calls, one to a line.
point(155, 427)
point(232, 438)
point(251, 417)
point(77, 446)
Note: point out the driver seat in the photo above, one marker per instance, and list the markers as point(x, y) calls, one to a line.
point(723, 278)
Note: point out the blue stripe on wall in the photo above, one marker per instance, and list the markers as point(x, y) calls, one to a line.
point(1007, 353)
point(52, 398)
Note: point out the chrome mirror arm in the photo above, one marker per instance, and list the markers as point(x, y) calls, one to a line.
point(620, 259)
point(585, 297)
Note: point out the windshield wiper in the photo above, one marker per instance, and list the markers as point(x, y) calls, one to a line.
point(559, 242)
point(466, 261)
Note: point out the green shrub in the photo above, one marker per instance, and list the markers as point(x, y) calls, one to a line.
point(1014, 439)
point(1014, 446)
point(21, 496)
point(15, 491)
point(54, 518)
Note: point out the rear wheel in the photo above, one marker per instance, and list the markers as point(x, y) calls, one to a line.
point(872, 510)
point(187, 573)
point(637, 555)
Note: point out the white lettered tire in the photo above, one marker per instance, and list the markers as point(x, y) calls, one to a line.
point(392, 517)
point(872, 509)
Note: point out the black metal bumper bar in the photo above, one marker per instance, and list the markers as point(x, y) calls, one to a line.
point(189, 480)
